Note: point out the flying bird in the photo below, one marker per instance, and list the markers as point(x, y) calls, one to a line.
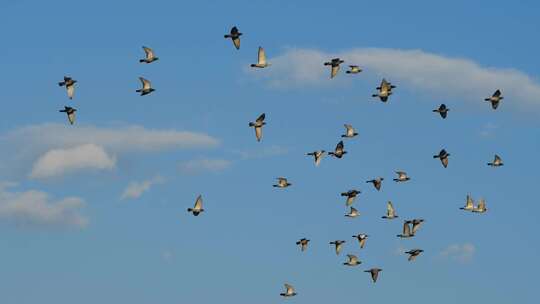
point(385, 90)
point(481, 207)
point(350, 132)
point(413, 254)
point(257, 125)
point(352, 260)
point(402, 176)
point(351, 195)
point(198, 207)
point(235, 37)
point(406, 230)
point(361, 239)
point(442, 110)
point(353, 213)
point(339, 151)
point(443, 156)
point(497, 162)
point(317, 155)
point(334, 63)
point(377, 182)
point(374, 273)
point(146, 87)
point(390, 211)
point(416, 223)
point(70, 113)
point(261, 60)
point(354, 69)
point(338, 244)
point(282, 183)
point(303, 243)
point(289, 291)
point(149, 55)
point(69, 83)
point(495, 99)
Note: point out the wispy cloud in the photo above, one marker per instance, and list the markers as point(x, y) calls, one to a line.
point(32, 207)
point(262, 152)
point(416, 69)
point(204, 165)
point(459, 252)
point(135, 189)
point(488, 130)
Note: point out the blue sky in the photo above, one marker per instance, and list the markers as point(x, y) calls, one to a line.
point(108, 223)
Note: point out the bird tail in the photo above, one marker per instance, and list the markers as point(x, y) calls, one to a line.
point(62, 83)
point(435, 156)
point(190, 209)
point(138, 91)
point(251, 124)
point(487, 99)
point(142, 60)
point(435, 110)
point(374, 95)
point(348, 72)
point(227, 36)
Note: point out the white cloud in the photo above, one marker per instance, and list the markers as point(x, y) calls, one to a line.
point(61, 161)
point(414, 69)
point(136, 189)
point(36, 208)
point(459, 252)
point(201, 165)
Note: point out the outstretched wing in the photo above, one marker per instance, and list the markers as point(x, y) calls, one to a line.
point(149, 53)
point(261, 118)
point(261, 59)
point(145, 83)
point(198, 203)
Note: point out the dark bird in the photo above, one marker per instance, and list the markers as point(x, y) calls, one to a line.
point(350, 132)
point(354, 69)
point(146, 87)
point(352, 260)
point(339, 151)
point(374, 273)
point(351, 195)
point(377, 182)
point(443, 156)
point(317, 155)
point(495, 99)
point(282, 183)
point(442, 110)
point(303, 244)
point(257, 125)
point(198, 208)
point(385, 90)
point(390, 211)
point(338, 244)
point(406, 230)
point(235, 37)
point(402, 176)
point(497, 162)
point(361, 237)
point(261, 60)
point(70, 113)
point(69, 83)
point(334, 63)
point(413, 254)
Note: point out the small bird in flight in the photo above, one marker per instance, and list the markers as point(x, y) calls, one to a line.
point(149, 55)
point(235, 37)
point(289, 291)
point(443, 156)
point(354, 69)
point(402, 176)
point(352, 213)
point(361, 239)
point(442, 110)
point(198, 207)
point(334, 63)
point(385, 90)
point(497, 162)
point(495, 99)
point(374, 273)
point(338, 244)
point(317, 155)
point(469, 204)
point(351, 195)
point(282, 183)
point(390, 211)
point(70, 113)
point(350, 132)
point(69, 83)
point(352, 260)
point(413, 254)
point(406, 230)
point(257, 125)
point(377, 182)
point(416, 223)
point(303, 243)
point(339, 151)
point(481, 207)
point(146, 87)
point(261, 60)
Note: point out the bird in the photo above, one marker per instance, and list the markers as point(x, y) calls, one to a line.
point(406, 230)
point(361, 239)
point(282, 183)
point(374, 273)
point(261, 60)
point(149, 55)
point(354, 69)
point(317, 155)
point(481, 207)
point(443, 156)
point(495, 99)
point(385, 90)
point(413, 254)
point(334, 63)
point(442, 110)
point(69, 83)
point(351, 195)
point(146, 87)
point(416, 223)
point(303, 243)
point(390, 211)
point(338, 152)
point(70, 113)
point(402, 176)
point(497, 162)
point(469, 204)
point(289, 291)
point(377, 182)
point(352, 213)
point(352, 260)
point(257, 125)
point(198, 207)
point(350, 132)
point(338, 244)
point(235, 37)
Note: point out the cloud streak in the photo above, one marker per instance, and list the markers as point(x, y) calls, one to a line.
point(196, 166)
point(459, 252)
point(135, 189)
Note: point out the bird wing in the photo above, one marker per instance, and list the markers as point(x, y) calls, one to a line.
point(71, 117)
point(444, 161)
point(289, 288)
point(334, 71)
point(391, 212)
point(470, 203)
point(374, 275)
point(481, 205)
point(339, 146)
point(149, 52)
point(70, 90)
point(497, 159)
point(258, 133)
point(145, 83)
point(262, 57)
point(352, 258)
point(497, 93)
point(261, 118)
point(406, 228)
point(198, 203)
point(416, 226)
point(236, 42)
point(362, 243)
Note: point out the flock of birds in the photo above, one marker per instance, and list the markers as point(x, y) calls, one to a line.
point(384, 91)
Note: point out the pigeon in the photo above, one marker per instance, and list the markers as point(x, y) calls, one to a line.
point(481, 207)
point(235, 37)
point(198, 208)
point(354, 69)
point(374, 273)
point(338, 152)
point(146, 87)
point(495, 99)
point(351, 195)
point(406, 230)
point(334, 63)
point(70, 113)
point(261, 60)
point(442, 110)
point(69, 83)
point(350, 133)
point(257, 125)
point(385, 90)
point(150, 56)
point(317, 155)
point(416, 223)
point(469, 205)
point(303, 244)
point(352, 260)
point(282, 183)
point(289, 291)
point(402, 176)
point(361, 239)
point(497, 162)
point(338, 245)
point(352, 213)
point(390, 211)
point(443, 156)
point(377, 182)
point(413, 254)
